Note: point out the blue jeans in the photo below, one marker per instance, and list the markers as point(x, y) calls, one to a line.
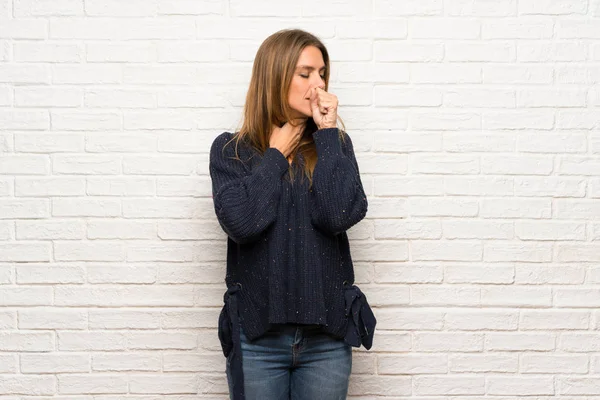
point(294, 362)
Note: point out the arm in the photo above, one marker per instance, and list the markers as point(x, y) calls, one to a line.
point(245, 203)
point(337, 196)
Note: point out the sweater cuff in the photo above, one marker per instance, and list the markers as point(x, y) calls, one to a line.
point(274, 163)
point(328, 142)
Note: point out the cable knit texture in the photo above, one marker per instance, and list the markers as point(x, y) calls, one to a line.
point(287, 243)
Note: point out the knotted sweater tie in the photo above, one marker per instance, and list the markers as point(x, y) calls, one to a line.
point(230, 339)
point(361, 325)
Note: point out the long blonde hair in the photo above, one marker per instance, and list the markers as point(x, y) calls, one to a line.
point(267, 97)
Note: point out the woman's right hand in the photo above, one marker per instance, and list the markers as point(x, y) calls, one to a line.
point(287, 138)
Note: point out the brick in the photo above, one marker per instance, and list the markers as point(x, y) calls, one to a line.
point(27, 28)
point(89, 251)
point(388, 8)
point(516, 296)
point(48, 97)
point(553, 7)
point(190, 7)
point(553, 320)
point(31, 120)
point(44, 187)
point(444, 342)
point(49, 142)
point(518, 28)
point(479, 274)
point(549, 230)
point(126, 362)
point(412, 364)
point(483, 363)
point(481, 8)
point(54, 363)
point(543, 142)
point(24, 208)
point(92, 121)
point(449, 385)
point(49, 274)
point(400, 51)
point(49, 229)
point(123, 296)
point(92, 384)
point(122, 274)
point(52, 319)
point(118, 186)
point(117, 51)
point(446, 250)
point(115, 8)
point(540, 274)
point(85, 207)
point(45, 52)
point(520, 386)
point(519, 341)
point(91, 164)
point(123, 319)
point(27, 342)
point(28, 385)
point(25, 252)
point(482, 320)
point(565, 51)
point(122, 28)
point(400, 273)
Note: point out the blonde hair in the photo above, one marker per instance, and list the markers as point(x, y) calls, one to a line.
point(267, 97)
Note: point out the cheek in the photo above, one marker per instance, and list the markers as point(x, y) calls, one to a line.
point(298, 89)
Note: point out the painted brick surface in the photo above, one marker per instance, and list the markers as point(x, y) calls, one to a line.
point(476, 125)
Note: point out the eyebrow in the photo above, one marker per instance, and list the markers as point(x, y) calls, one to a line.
point(309, 67)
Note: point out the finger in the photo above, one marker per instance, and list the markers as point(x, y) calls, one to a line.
point(314, 104)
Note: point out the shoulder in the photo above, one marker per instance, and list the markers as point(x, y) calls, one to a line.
point(227, 152)
point(226, 145)
point(220, 141)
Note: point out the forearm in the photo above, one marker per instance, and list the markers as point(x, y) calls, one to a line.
point(337, 195)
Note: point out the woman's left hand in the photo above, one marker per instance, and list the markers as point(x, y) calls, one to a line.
point(324, 108)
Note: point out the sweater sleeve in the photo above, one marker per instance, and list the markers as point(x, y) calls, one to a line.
point(245, 202)
point(337, 195)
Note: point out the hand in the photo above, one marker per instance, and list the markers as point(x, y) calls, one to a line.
point(324, 108)
point(287, 138)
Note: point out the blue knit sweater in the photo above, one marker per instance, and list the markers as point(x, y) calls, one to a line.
point(288, 256)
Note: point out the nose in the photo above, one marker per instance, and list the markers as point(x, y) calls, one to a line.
point(321, 83)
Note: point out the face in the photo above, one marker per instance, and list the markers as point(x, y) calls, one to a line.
point(309, 73)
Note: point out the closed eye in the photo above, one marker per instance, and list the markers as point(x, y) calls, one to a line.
point(306, 76)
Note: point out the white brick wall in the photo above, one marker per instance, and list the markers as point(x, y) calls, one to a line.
point(477, 129)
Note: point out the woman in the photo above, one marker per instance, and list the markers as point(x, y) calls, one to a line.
point(286, 187)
